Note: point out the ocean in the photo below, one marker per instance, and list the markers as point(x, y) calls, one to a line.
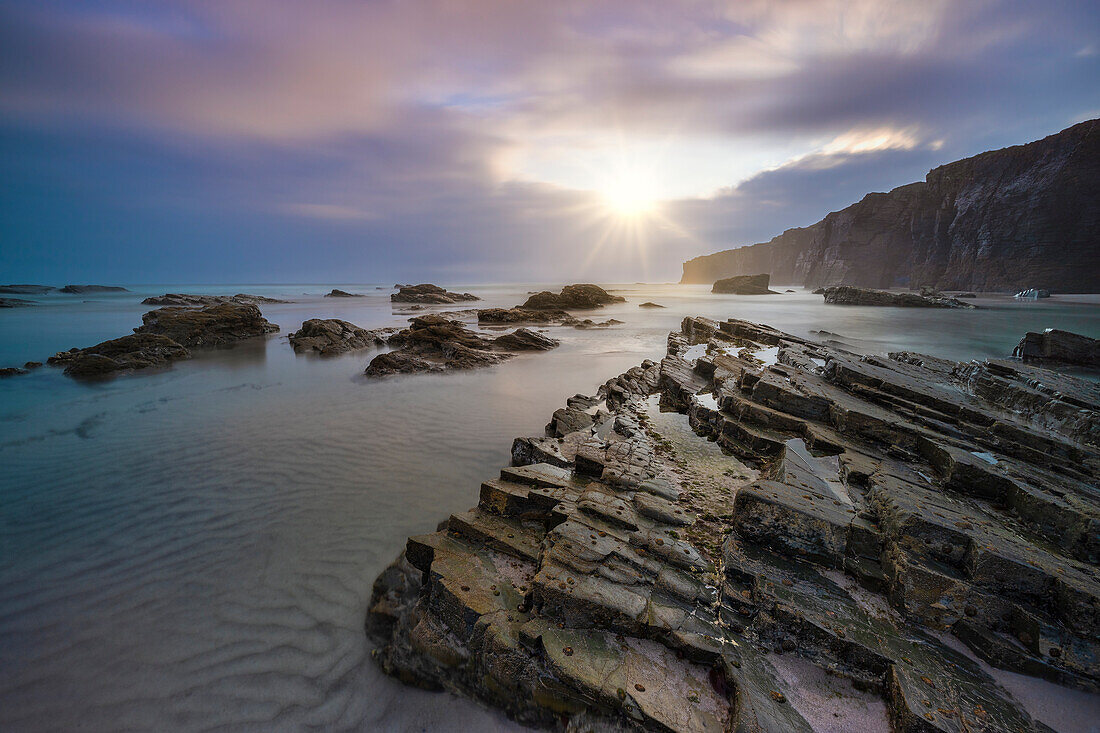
point(193, 549)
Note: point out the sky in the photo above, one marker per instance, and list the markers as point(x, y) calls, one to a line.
point(268, 141)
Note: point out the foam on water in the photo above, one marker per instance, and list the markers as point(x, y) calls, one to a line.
point(193, 549)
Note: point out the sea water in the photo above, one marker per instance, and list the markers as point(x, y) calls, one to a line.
point(193, 548)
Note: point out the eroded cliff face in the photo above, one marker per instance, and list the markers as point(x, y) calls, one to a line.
point(1025, 216)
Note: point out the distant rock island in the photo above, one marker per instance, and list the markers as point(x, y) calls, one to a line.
point(1023, 217)
point(428, 293)
point(83, 289)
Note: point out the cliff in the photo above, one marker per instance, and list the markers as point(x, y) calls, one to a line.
point(1005, 220)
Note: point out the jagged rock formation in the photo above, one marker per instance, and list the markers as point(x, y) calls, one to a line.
point(189, 300)
point(848, 295)
point(844, 512)
point(744, 285)
point(1057, 346)
point(337, 293)
point(428, 293)
point(136, 351)
point(583, 296)
point(1022, 217)
point(82, 289)
point(211, 325)
point(434, 343)
point(332, 336)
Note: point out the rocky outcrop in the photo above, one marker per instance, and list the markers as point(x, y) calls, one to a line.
point(650, 304)
point(1057, 346)
point(848, 295)
point(197, 301)
point(26, 289)
point(434, 343)
point(648, 566)
point(572, 297)
point(332, 336)
point(337, 293)
point(11, 372)
point(212, 325)
point(15, 302)
point(744, 285)
point(136, 351)
point(1003, 221)
point(83, 289)
point(520, 315)
point(428, 293)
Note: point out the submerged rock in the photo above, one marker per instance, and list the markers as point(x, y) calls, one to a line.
point(337, 293)
point(639, 569)
point(582, 296)
point(82, 289)
point(15, 302)
point(331, 336)
point(26, 289)
point(136, 351)
point(212, 325)
point(744, 285)
point(428, 293)
point(186, 299)
point(436, 343)
point(849, 295)
point(1054, 345)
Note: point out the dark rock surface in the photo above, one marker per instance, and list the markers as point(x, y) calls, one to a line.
point(744, 285)
point(331, 336)
point(640, 566)
point(520, 315)
point(428, 293)
point(572, 297)
point(212, 325)
point(82, 289)
point(1056, 346)
point(337, 293)
point(136, 351)
point(434, 343)
point(11, 371)
point(1022, 217)
point(26, 289)
point(15, 302)
point(848, 295)
point(186, 299)
point(650, 304)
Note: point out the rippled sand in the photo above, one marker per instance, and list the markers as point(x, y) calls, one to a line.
point(193, 549)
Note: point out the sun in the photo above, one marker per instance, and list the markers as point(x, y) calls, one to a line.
point(629, 192)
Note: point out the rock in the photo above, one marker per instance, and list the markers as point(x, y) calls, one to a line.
point(744, 285)
point(32, 365)
point(848, 295)
point(15, 302)
point(136, 351)
point(589, 323)
point(428, 293)
point(26, 289)
point(1057, 346)
point(572, 297)
point(332, 336)
point(520, 315)
point(212, 325)
point(436, 343)
point(649, 304)
point(82, 289)
point(1032, 294)
point(639, 569)
point(336, 293)
point(788, 290)
point(819, 291)
point(185, 299)
point(11, 371)
point(996, 222)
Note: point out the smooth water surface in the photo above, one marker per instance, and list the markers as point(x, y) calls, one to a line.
point(193, 549)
